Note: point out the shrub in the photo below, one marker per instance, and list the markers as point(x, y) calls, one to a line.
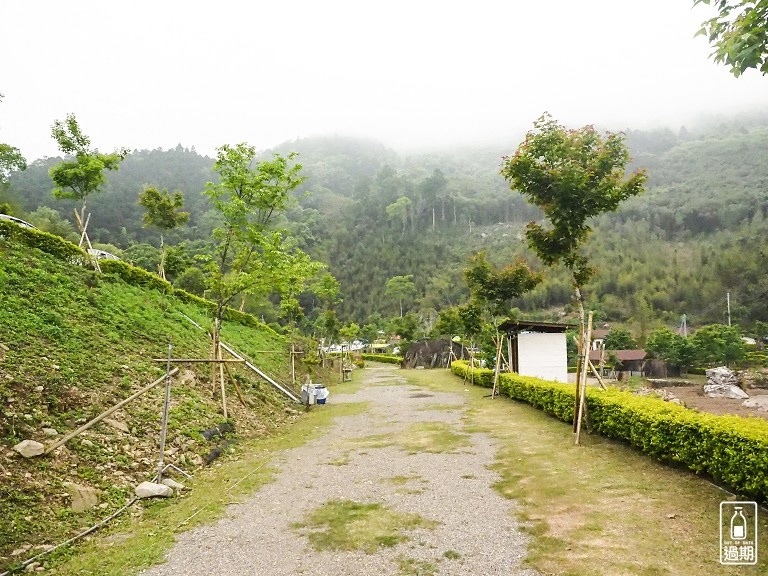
point(134, 275)
point(54, 245)
point(731, 449)
point(385, 358)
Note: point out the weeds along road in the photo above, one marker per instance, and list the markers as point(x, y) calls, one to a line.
point(400, 487)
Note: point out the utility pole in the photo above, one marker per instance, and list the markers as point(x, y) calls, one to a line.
point(728, 301)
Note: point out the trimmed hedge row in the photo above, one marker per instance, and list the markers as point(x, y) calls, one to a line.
point(50, 243)
point(385, 358)
point(731, 449)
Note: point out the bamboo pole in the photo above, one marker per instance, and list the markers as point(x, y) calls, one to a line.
point(106, 413)
point(597, 375)
point(579, 363)
point(498, 366)
point(583, 380)
point(164, 421)
point(236, 386)
point(215, 361)
point(222, 382)
point(84, 235)
point(215, 339)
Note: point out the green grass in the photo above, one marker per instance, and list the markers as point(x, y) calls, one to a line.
point(402, 482)
point(451, 555)
point(432, 437)
point(413, 567)
point(441, 407)
point(602, 508)
point(351, 526)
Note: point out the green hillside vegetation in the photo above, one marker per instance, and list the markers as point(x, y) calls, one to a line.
point(76, 343)
point(695, 234)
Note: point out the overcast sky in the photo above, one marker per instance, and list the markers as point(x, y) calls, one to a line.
point(412, 74)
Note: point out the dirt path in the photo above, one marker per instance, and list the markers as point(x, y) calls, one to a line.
point(475, 533)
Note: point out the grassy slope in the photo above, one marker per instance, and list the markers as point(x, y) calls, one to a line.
point(78, 343)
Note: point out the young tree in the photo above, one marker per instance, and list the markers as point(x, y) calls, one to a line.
point(399, 210)
point(370, 333)
point(619, 339)
point(77, 179)
point(433, 188)
point(492, 288)
point(248, 197)
point(405, 327)
point(10, 159)
point(328, 292)
point(739, 34)
point(400, 287)
point(49, 220)
point(718, 344)
point(292, 276)
point(449, 323)
point(573, 176)
point(163, 211)
point(671, 347)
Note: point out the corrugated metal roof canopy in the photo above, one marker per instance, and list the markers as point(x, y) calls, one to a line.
point(526, 326)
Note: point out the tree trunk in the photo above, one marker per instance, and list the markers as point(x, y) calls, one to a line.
point(580, 354)
point(162, 258)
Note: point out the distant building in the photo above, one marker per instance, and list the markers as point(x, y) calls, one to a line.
point(598, 337)
point(630, 362)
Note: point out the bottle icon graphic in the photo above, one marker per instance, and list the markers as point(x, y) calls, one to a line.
point(738, 525)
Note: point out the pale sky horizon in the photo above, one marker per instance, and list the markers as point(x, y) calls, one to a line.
point(418, 74)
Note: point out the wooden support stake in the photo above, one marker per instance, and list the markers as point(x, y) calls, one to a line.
point(213, 365)
point(498, 366)
point(222, 382)
point(164, 420)
point(215, 361)
point(580, 348)
point(597, 375)
point(583, 379)
point(236, 386)
point(84, 235)
point(114, 408)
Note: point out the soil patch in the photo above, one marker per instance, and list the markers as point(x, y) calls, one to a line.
point(693, 398)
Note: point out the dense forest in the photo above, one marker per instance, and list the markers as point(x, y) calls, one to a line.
point(695, 236)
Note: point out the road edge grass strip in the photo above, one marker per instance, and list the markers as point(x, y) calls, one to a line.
point(140, 539)
point(731, 449)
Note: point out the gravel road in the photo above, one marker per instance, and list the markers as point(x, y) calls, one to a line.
point(475, 526)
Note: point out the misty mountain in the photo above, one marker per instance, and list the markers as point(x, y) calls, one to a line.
point(371, 214)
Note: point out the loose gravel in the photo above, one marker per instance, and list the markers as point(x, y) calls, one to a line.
point(476, 527)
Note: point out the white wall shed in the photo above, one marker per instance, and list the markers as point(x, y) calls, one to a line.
point(537, 349)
